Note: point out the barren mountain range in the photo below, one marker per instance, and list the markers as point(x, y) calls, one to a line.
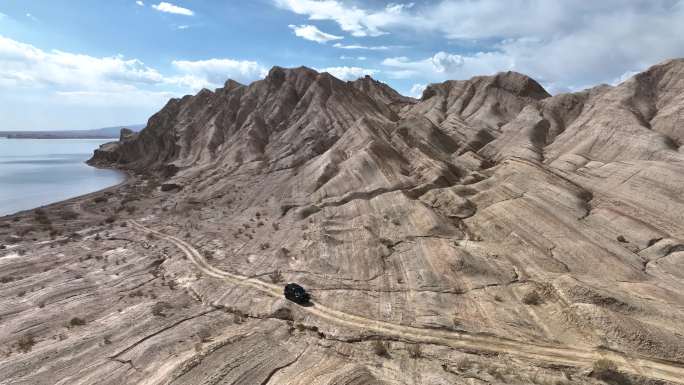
point(97, 133)
point(488, 233)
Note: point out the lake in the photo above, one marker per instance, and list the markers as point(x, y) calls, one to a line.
point(35, 172)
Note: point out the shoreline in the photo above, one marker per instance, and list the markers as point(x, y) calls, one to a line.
point(128, 176)
point(57, 137)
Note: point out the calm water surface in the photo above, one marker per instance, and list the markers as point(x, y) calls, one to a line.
point(35, 172)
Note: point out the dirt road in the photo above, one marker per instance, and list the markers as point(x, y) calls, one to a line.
point(563, 355)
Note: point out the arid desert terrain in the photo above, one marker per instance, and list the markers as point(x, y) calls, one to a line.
point(487, 233)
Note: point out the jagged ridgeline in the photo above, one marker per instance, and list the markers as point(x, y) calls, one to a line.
point(486, 207)
point(332, 137)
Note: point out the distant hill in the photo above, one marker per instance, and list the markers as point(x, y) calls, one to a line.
point(97, 133)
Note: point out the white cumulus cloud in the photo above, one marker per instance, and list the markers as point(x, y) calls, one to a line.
point(349, 73)
point(417, 90)
point(344, 57)
point(311, 32)
point(140, 3)
point(63, 78)
point(443, 66)
point(98, 89)
point(360, 46)
point(565, 44)
point(352, 19)
point(24, 65)
point(172, 8)
point(444, 62)
point(213, 73)
point(130, 97)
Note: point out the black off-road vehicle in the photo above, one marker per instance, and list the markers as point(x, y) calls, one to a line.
point(296, 293)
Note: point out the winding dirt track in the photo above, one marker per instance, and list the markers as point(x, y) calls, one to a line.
point(563, 355)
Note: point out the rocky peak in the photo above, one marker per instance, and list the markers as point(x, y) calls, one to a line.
point(231, 85)
point(299, 77)
point(520, 85)
point(638, 119)
point(126, 134)
point(381, 92)
point(510, 82)
point(474, 110)
point(296, 110)
point(296, 114)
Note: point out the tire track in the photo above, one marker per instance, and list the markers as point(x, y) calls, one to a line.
point(639, 365)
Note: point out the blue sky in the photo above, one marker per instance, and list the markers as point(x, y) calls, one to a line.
point(76, 64)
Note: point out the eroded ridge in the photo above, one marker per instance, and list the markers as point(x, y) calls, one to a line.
point(643, 366)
